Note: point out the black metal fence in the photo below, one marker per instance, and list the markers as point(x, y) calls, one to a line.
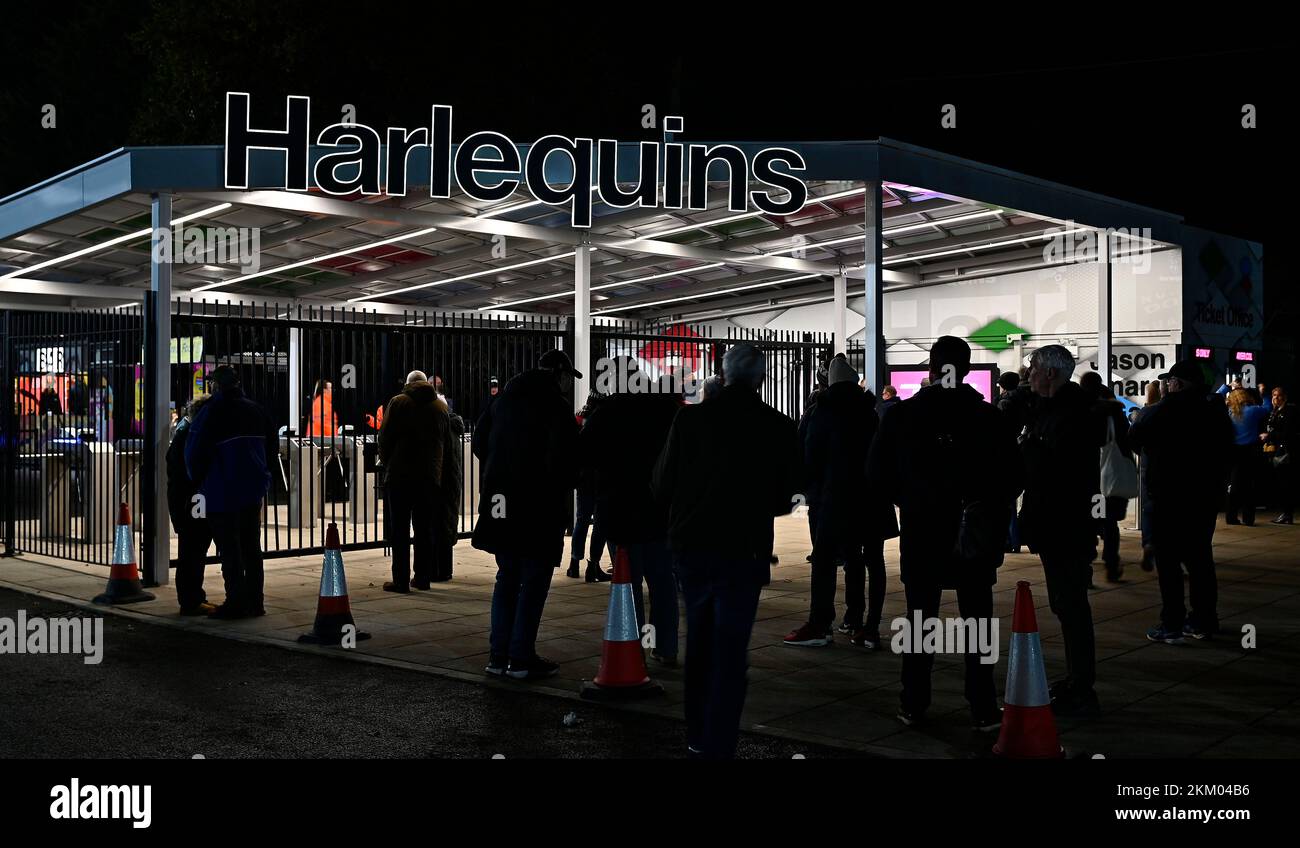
point(695, 351)
point(73, 437)
point(73, 431)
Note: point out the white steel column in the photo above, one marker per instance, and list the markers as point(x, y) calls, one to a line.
point(582, 324)
point(840, 323)
point(160, 323)
point(1104, 305)
point(873, 311)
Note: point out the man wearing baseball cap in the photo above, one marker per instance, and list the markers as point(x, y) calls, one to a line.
point(1188, 439)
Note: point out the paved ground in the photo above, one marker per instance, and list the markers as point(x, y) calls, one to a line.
point(162, 693)
point(1212, 699)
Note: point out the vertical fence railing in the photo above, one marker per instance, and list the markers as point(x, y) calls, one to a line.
point(696, 351)
point(75, 431)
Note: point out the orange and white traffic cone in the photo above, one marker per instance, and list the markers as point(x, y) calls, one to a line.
point(1028, 726)
point(622, 673)
point(124, 585)
point(333, 610)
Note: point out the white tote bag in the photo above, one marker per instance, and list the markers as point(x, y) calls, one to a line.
point(1119, 474)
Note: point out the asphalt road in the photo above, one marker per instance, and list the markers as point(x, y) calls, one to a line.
point(161, 692)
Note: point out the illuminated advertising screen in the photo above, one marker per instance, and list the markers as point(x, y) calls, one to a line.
point(907, 379)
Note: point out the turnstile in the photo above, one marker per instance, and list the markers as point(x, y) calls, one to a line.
point(78, 481)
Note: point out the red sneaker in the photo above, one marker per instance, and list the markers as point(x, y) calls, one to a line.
point(809, 637)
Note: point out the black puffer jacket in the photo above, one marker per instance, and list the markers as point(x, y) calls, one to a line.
point(414, 437)
point(936, 451)
point(528, 443)
point(837, 435)
point(621, 440)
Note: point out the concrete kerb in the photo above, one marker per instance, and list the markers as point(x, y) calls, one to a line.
point(436, 671)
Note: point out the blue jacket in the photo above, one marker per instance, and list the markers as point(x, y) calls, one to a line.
point(227, 452)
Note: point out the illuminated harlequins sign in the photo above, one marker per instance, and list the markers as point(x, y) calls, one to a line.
point(487, 166)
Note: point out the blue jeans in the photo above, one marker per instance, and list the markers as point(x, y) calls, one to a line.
point(517, 604)
point(653, 562)
point(721, 602)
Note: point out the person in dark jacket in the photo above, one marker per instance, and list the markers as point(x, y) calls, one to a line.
point(192, 533)
point(932, 458)
point(451, 493)
point(1062, 456)
point(731, 464)
point(1281, 440)
point(414, 443)
point(850, 523)
point(621, 441)
point(1188, 439)
point(227, 454)
point(888, 400)
point(1107, 408)
point(528, 444)
point(587, 517)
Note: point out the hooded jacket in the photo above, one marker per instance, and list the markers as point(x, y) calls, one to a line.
point(1062, 456)
point(527, 442)
point(414, 437)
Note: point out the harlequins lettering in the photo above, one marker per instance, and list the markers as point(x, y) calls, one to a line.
point(487, 165)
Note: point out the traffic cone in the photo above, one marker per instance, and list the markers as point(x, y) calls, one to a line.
point(333, 611)
point(622, 673)
point(123, 576)
point(1028, 726)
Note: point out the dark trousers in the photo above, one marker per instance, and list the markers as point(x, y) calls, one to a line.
point(1241, 485)
point(239, 542)
point(860, 565)
point(1286, 479)
point(1069, 573)
point(587, 518)
point(974, 600)
point(721, 595)
point(1185, 539)
point(410, 507)
point(652, 563)
point(1108, 528)
point(517, 603)
point(193, 536)
point(442, 561)
point(1148, 515)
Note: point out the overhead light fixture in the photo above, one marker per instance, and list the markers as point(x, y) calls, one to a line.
point(485, 272)
point(706, 295)
point(336, 254)
point(686, 228)
point(113, 242)
point(603, 286)
point(939, 222)
point(914, 257)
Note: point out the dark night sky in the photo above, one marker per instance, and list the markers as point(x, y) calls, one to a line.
point(1124, 105)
